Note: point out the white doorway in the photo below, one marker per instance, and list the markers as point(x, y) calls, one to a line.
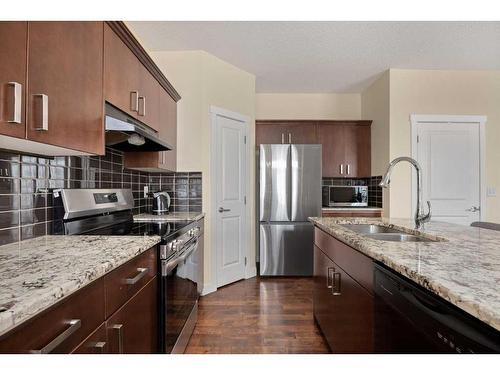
point(450, 150)
point(230, 184)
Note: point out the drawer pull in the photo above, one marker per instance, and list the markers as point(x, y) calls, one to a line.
point(99, 347)
point(337, 278)
point(118, 328)
point(142, 272)
point(74, 325)
point(329, 277)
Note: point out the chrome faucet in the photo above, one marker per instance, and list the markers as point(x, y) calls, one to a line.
point(420, 217)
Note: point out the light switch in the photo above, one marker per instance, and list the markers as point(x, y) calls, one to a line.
point(491, 191)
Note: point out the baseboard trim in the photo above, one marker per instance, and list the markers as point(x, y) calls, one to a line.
point(208, 288)
point(250, 272)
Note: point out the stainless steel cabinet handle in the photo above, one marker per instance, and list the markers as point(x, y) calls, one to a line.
point(348, 168)
point(74, 325)
point(134, 101)
point(142, 106)
point(118, 328)
point(17, 89)
point(337, 279)
point(290, 138)
point(341, 169)
point(142, 272)
point(44, 108)
point(99, 347)
point(224, 209)
point(329, 277)
point(473, 209)
point(282, 138)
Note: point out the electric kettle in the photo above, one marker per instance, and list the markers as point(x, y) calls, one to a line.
point(161, 203)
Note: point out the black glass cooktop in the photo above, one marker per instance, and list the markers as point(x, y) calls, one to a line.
point(130, 228)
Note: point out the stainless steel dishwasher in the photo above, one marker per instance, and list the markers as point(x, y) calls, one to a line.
point(410, 319)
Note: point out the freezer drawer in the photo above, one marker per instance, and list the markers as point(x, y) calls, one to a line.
point(286, 249)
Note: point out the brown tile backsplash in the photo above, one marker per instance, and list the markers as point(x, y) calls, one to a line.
point(27, 182)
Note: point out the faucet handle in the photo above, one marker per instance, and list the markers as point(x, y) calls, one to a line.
point(427, 217)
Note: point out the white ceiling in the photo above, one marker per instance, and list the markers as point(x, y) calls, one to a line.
point(330, 56)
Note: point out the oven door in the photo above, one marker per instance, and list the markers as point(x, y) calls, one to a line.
point(179, 288)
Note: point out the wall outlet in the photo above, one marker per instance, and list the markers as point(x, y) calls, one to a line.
point(491, 191)
point(146, 191)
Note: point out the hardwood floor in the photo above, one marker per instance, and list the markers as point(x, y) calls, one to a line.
point(258, 315)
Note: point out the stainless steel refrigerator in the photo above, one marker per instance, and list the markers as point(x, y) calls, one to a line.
point(290, 192)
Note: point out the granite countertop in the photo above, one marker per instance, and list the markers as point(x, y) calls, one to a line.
point(171, 216)
point(462, 268)
point(37, 273)
point(369, 208)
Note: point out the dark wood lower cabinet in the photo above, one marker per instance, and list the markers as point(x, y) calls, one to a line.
point(343, 309)
point(133, 328)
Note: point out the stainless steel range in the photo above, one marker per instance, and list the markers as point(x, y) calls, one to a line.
point(109, 212)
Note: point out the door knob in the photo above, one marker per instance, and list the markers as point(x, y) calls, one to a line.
point(224, 209)
point(473, 209)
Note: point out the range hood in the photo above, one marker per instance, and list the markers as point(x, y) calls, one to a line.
point(125, 133)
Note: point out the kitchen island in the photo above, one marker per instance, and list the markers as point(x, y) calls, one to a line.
point(40, 273)
point(459, 264)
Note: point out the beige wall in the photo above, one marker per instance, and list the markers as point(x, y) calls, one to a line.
point(308, 106)
point(442, 92)
point(204, 80)
point(375, 106)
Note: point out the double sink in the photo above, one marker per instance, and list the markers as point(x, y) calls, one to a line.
point(383, 233)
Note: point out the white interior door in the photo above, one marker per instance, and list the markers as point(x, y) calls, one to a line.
point(231, 230)
point(449, 155)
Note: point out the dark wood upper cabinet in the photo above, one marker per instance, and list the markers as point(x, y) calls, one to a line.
point(133, 328)
point(168, 130)
point(331, 136)
point(297, 132)
point(357, 139)
point(121, 74)
point(149, 99)
point(346, 144)
point(13, 58)
point(64, 94)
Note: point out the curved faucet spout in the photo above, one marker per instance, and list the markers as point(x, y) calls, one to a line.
point(420, 217)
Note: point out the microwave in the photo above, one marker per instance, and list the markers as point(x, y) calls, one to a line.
point(345, 196)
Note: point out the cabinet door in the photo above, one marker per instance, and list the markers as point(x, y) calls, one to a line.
point(331, 136)
point(322, 295)
point(121, 74)
point(134, 327)
point(168, 130)
point(301, 133)
point(149, 99)
point(345, 308)
point(13, 37)
point(357, 151)
point(270, 133)
point(65, 106)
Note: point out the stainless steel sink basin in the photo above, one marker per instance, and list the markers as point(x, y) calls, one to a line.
point(370, 228)
point(382, 233)
point(398, 237)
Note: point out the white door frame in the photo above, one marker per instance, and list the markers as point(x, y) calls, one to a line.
point(481, 120)
point(250, 270)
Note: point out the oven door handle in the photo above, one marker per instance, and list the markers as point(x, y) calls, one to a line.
point(167, 267)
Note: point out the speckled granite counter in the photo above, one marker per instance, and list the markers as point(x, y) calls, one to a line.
point(37, 273)
point(464, 270)
point(172, 216)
